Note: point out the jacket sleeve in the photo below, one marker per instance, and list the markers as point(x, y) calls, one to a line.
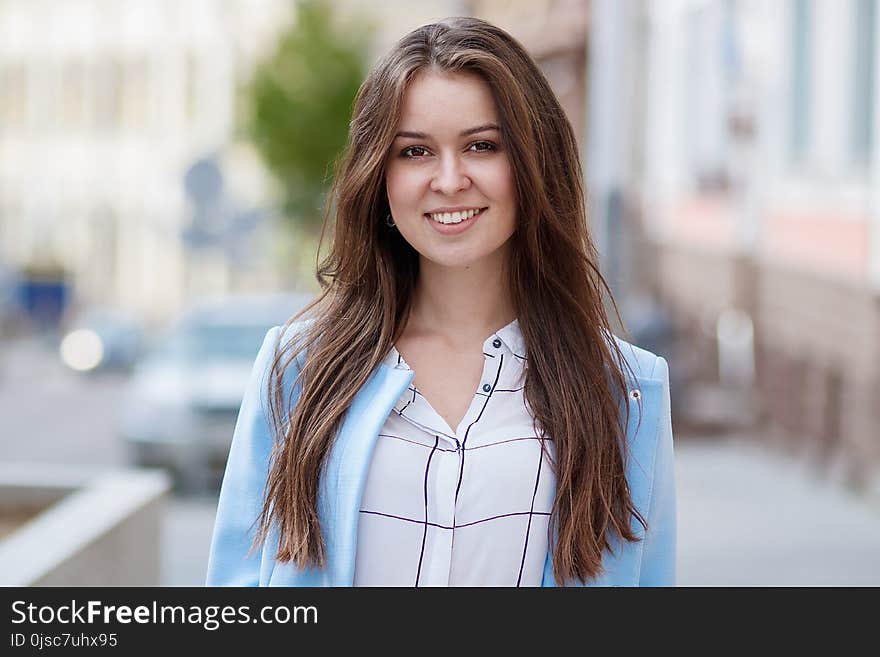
point(658, 551)
point(241, 494)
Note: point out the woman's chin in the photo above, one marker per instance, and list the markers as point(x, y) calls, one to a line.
point(455, 259)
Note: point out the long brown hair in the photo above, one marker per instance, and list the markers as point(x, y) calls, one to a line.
point(575, 382)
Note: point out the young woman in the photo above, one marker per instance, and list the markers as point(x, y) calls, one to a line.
point(452, 409)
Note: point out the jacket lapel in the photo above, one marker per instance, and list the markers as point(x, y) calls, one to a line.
point(348, 464)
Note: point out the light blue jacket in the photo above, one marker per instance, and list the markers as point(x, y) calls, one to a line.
point(649, 471)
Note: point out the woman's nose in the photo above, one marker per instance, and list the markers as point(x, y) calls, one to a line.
point(450, 177)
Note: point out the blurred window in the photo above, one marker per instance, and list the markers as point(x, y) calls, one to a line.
point(104, 253)
point(191, 97)
point(801, 78)
point(108, 94)
point(136, 96)
point(706, 63)
point(43, 92)
point(11, 244)
point(5, 229)
point(72, 93)
point(12, 95)
point(865, 44)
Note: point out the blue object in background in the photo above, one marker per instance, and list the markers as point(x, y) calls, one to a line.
point(44, 301)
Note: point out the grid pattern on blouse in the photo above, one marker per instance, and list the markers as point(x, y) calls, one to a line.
point(463, 506)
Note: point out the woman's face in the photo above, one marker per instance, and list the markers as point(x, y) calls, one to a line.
point(447, 163)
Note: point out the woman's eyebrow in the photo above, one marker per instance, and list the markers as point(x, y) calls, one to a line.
point(466, 133)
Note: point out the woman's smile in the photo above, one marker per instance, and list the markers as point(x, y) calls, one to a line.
point(454, 223)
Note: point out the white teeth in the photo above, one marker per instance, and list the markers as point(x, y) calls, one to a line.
point(453, 217)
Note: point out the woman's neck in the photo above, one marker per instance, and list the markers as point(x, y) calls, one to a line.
point(462, 305)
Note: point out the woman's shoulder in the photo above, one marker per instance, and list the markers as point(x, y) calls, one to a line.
point(641, 363)
point(280, 338)
point(287, 336)
point(293, 330)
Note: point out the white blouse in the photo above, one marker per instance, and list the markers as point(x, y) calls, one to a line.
point(469, 507)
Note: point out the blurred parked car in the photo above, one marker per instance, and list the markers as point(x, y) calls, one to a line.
point(102, 339)
point(182, 400)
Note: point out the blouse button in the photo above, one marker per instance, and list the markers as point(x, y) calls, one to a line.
point(496, 343)
point(635, 394)
point(486, 387)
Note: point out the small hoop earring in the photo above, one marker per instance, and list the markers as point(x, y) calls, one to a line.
point(389, 221)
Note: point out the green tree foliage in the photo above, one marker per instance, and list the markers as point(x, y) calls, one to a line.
point(300, 101)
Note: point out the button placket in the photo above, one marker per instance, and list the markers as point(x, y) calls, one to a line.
point(438, 556)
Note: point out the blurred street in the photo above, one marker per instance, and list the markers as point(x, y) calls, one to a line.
point(53, 414)
point(748, 515)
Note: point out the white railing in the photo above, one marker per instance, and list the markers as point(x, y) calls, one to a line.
point(80, 526)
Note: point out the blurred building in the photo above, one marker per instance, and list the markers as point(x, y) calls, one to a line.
point(555, 34)
point(104, 107)
point(391, 19)
point(735, 157)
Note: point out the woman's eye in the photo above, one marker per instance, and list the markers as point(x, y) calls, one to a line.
point(482, 146)
point(414, 151)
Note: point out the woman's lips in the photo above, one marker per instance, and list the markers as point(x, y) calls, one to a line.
point(454, 229)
